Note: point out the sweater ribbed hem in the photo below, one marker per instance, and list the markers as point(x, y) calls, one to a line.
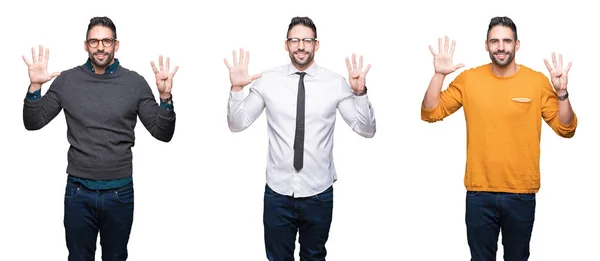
point(100, 173)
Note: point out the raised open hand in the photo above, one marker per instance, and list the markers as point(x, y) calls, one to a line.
point(558, 74)
point(356, 75)
point(38, 68)
point(442, 61)
point(164, 79)
point(238, 73)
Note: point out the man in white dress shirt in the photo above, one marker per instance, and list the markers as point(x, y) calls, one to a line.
point(301, 100)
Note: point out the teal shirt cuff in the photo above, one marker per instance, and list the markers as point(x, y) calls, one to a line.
point(167, 106)
point(33, 96)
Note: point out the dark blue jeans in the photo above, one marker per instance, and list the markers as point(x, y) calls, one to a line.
point(488, 213)
point(89, 212)
point(310, 217)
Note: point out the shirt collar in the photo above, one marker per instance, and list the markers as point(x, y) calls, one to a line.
point(110, 69)
point(312, 70)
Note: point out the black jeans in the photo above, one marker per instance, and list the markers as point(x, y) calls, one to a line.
point(89, 212)
point(488, 213)
point(285, 216)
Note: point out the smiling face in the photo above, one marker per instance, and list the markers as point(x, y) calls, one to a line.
point(301, 46)
point(101, 47)
point(501, 45)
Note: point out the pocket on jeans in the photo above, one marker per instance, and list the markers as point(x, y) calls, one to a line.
point(125, 195)
point(325, 196)
point(472, 193)
point(269, 192)
point(526, 196)
point(72, 190)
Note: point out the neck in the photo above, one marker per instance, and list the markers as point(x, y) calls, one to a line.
point(302, 67)
point(505, 71)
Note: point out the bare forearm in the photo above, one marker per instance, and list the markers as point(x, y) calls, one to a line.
point(34, 87)
point(565, 111)
point(432, 96)
point(237, 88)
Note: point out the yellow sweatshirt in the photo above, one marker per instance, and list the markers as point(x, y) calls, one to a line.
point(503, 132)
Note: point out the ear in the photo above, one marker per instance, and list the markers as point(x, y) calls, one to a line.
point(116, 45)
point(285, 44)
point(85, 47)
point(317, 44)
point(517, 45)
point(486, 46)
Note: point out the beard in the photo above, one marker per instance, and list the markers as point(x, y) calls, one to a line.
point(508, 58)
point(108, 57)
point(308, 57)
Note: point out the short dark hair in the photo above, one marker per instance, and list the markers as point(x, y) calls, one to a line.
point(503, 21)
point(302, 21)
point(102, 21)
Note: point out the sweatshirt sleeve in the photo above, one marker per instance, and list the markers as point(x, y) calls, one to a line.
point(159, 120)
point(550, 111)
point(451, 100)
point(40, 110)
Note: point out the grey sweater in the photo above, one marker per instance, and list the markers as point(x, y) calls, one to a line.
point(101, 113)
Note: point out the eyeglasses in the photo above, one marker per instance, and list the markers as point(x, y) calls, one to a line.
point(296, 41)
point(106, 42)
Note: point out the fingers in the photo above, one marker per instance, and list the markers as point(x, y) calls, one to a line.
point(431, 50)
point(367, 69)
point(560, 62)
point(174, 71)
point(33, 57)
point(547, 65)
point(353, 66)
point(440, 45)
point(154, 67)
point(242, 55)
point(227, 64)
point(243, 60)
point(554, 60)
point(360, 63)
point(235, 60)
point(452, 47)
point(25, 60)
point(41, 54)
point(46, 55)
point(348, 64)
point(247, 60)
point(160, 63)
point(568, 68)
point(446, 44)
point(168, 63)
point(166, 66)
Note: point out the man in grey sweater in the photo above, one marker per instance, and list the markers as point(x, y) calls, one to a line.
point(101, 102)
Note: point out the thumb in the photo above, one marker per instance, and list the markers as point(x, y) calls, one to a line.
point(254, 77)
point(458, 66)
point(54, 74)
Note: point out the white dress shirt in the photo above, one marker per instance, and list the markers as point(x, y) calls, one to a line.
point(276, 90)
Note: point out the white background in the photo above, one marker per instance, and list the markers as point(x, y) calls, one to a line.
point(400, 195)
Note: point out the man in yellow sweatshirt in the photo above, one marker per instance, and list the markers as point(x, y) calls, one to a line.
point(504, 104)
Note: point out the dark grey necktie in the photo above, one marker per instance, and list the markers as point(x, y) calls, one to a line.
point(299, 139)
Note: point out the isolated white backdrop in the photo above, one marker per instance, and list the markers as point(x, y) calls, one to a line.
point(400, 195)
